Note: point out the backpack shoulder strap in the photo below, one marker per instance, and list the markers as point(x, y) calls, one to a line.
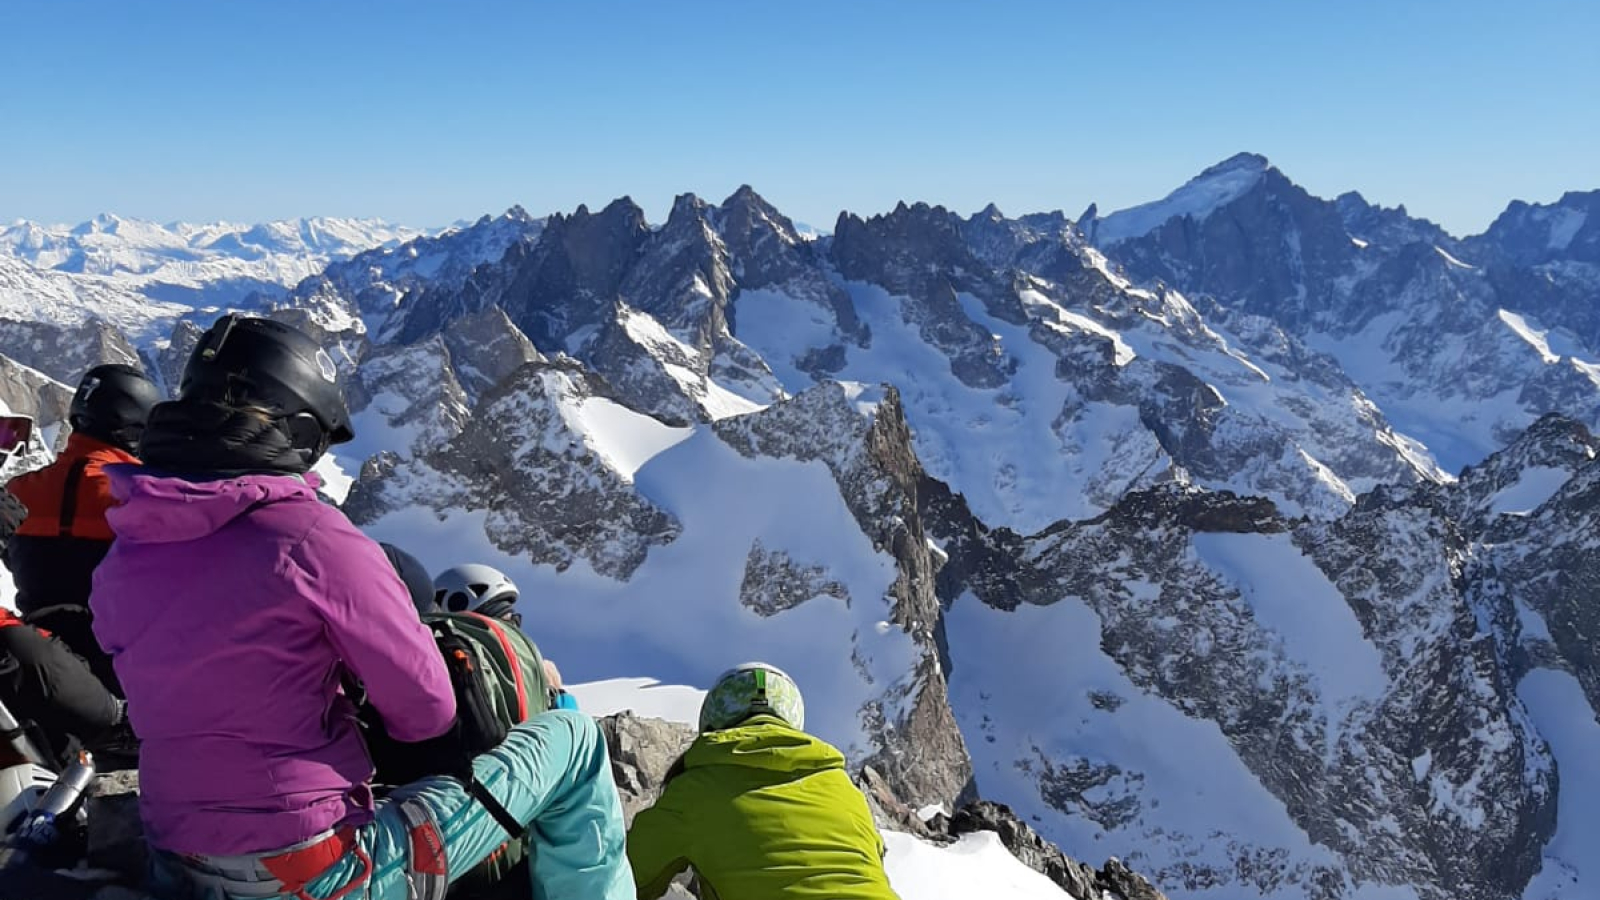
point(525, 662)
point(69, 494)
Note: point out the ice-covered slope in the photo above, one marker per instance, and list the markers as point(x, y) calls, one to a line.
point(1351, 707)
point(1287, 677)
point(141, 278)
point(1042, 385)
point(377, 285)
point(42, 296)
point(1205, 193)
point(218, 262)
point(1461, 343)
point(651, 549)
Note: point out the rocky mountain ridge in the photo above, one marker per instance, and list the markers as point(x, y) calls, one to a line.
point(1143, 524)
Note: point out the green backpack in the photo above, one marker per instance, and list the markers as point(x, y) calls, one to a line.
point(499, 681)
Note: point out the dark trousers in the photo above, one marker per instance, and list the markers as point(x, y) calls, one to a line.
point(42, 681)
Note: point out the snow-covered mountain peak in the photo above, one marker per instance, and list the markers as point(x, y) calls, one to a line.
point(113, 245)
point(1217, 186)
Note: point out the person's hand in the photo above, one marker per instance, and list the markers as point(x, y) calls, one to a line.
point(552, 675)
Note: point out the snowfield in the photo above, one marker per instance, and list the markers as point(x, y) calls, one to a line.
point(1186, 538)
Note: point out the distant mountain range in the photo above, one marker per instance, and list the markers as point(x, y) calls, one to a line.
point(1244, 534)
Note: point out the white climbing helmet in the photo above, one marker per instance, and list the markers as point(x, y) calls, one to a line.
point(474, 588)
point(752, 689)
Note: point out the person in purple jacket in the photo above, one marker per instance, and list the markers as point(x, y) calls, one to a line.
point(234, 603)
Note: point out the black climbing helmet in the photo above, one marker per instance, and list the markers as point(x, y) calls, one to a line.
point(246, 361)
point(112, 403)
point(414, 575)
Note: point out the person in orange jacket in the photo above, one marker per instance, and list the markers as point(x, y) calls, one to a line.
point(54, 552)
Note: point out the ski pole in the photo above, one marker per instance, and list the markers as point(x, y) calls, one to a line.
point(12, 732)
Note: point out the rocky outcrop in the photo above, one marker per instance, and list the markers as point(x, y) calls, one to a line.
point(65, 351)
point(642, 753)
point(774, 582)
point(1113, 881)
point(917, 252)
point(415, 390)
point(166, 363)
point(28, 392)
point(1542, 561)
point(549, 495)
point(485, 348)
point(922, 753)
point(767, 253)
point(1534, 234)
point(1447, 750)
point(643, 750)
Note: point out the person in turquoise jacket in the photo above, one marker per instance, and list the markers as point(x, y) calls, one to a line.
point(759, 808)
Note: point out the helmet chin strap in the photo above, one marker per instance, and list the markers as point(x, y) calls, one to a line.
point(307, 436)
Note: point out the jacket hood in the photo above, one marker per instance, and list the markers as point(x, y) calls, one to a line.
point(159, 509)
point(763, 743)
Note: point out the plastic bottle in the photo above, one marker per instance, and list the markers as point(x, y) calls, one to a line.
point(39, 828)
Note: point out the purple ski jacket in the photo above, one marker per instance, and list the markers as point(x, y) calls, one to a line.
point(231, 609)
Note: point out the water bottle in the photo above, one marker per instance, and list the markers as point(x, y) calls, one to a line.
point(39, 828)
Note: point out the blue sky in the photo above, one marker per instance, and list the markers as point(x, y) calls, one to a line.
point(429, 113)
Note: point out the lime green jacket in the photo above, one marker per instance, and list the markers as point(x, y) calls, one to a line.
point(762, 812)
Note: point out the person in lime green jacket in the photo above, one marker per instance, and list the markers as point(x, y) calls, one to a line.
point(759, 808)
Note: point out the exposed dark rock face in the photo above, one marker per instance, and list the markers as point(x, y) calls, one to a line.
point(415, 389)
point(1080, 881)
point(1551, 451)
point(918, 252)
point(1448, 748)
point(549, 496)
point(1544, 561)
point(27, 392)
point(767, 253)
point(775, 582)
point(65, 352)
point(167, 363)
point(1533, 234)
point(1464, 321)
point(923, 756)
point(1380, 225)
point(569, 278)
point(1273, 243)
point(485, 348)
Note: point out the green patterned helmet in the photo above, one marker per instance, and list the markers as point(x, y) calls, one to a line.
point(753, 689)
